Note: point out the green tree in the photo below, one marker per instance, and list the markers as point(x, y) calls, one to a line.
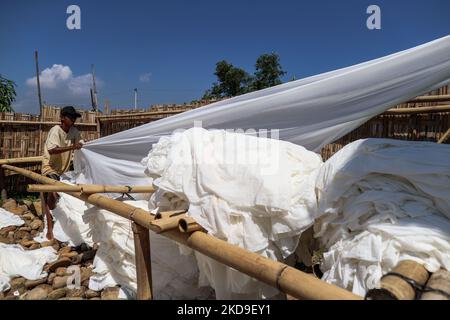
point(232, 81)
point(7, 94)
point(268, 71)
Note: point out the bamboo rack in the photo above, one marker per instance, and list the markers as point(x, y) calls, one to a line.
point(289, 280)
point(86, 188)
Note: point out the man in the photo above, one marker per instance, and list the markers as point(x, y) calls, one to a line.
point(61, 141)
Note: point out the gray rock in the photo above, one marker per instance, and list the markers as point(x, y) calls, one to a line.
point(57, 294)
point(36, 294)
point(29, 284)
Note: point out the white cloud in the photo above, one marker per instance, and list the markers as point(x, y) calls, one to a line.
point(145, 77)
point(59, 86)
point(51, 77)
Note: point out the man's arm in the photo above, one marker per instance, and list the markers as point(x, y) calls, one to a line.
point(58, 150)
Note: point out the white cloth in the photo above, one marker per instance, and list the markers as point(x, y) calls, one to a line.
point(256, 193)
point(382, 201)
point(310, 112)
point(17, 262)
point(9, 219)
point(174, 276)
point(68, 219)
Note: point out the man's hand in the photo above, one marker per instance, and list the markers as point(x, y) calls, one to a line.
point(77, 146)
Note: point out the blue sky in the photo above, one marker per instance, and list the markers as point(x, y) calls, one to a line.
point(168, 49)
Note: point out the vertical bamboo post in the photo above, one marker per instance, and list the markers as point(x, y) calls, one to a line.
point(143, 262)
point(4, 194)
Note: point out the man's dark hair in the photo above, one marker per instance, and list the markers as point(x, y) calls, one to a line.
point(70, 113)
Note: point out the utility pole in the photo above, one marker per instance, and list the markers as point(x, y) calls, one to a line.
point(94, 90)
point(38, 83)
point(135, 98)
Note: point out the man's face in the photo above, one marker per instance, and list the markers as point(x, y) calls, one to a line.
point(67, 121)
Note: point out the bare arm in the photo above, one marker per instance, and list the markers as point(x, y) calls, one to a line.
point(59, 150)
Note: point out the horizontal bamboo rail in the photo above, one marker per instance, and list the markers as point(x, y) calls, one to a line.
point(90, 188)
point(21, 160)
point(188, 224)
point(445, 136)
point(433, 98)
point(168, 214)
point(166, 224)
point(289, 280)
point(431, 109)
point(45, 123)
point(138, 114)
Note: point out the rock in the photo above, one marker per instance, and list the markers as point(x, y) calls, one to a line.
point(86, 273)
point(95, 298)
point(82, 247)
point(36, 294)
point(46, 287)
point(17, 211)
point(34, 233)
point(61, 271)
point(27, 229)
point(56, 246)
point(71, 298)
point(63, 262)
point(87, 255)
point(57, 294)
point(92, 294)
point(28, 216)
point(47, 243)
point(6, 240)
point(69, 254)
point(24, 208)
point(9, 204)
point(111, 293)
point(28, 203)
point(28, 243)
point(34, 246)
point(59, 282)
point(6, 230)
point(73, 293)
point(29, 284)
point(11, 298)
point(37, 224)
point(19, 235)
point(64, 250)
point(36, 208)
point(85, 283)
point(76, 259)
point(17, 283)
point(51, 276)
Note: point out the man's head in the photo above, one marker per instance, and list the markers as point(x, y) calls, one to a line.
point(68, 116)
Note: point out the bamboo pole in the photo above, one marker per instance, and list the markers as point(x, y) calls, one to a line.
point(143, 262)
point(47, 123)
point(431, 109)
point(167, 223)
point(430, 99)
point(188, 224)
point(438, 286)
point(395, 285)
point(21, 160)
point(86, 188)
point(168, 214)
point(289, 280)
point(445, 136)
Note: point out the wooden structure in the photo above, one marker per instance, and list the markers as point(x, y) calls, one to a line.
point(289, 280)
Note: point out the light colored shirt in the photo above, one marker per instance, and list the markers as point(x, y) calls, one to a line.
point(58, 138)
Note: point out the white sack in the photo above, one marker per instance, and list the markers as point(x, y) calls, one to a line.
point(256, 193)
point(383, 201)
point(9, 219)
point(17, 262)
point(310, 112)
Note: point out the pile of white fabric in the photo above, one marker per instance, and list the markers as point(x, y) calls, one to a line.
point(9, 219)
point(17, 262)
point(257, 193)
point(174, 276)
point(383, 201)
point(68, 219)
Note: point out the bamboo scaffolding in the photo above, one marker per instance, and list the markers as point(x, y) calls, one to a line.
point(90, 188)
point(166, 224)
point(22, 160)
point(188, 224)
point(445, 136)
point(430, 109)
point(433, 98)
point(396, 285)
point(289, 280)
point(168, 214)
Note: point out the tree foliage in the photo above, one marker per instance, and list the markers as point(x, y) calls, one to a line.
point(233, 81)
point(7, 94)
point(268, 71)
